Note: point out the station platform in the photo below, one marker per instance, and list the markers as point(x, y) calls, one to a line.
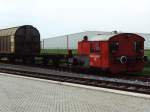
point(24, 94)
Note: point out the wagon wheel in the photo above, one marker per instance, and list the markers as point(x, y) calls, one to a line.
point(11, 59)
point(45, 61)
point(28, 60)
point(56, 62)
point(32, 60)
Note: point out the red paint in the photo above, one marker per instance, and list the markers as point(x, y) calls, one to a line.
point(83, 48)
point(100, 59)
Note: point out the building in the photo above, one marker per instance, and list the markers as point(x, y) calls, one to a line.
point(147, 40)
point(70, 41)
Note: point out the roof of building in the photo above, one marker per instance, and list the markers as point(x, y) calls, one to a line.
point(103, 37)
point(85, 32)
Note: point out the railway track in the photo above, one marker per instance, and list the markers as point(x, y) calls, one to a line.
point(134, 84)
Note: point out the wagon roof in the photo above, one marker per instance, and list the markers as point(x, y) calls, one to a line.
point(103, 37)
point(8, 32)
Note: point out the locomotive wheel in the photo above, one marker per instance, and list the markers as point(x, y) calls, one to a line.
point(28, 60)
point(24, 60)
point(45, 61)
point(32, 60)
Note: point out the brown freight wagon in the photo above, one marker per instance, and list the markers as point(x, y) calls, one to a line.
point(22, 41)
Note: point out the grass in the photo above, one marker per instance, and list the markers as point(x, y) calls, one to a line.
point(147, 53)
point(146, 70)
point(57, 51)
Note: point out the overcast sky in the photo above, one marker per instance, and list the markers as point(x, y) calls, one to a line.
point(59, 17)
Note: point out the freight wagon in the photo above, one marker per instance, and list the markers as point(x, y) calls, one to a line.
point(19, 42)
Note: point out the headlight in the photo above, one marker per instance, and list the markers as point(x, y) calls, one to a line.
point(123, 59)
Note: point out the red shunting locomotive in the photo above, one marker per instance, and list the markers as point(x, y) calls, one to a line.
point(123, 52)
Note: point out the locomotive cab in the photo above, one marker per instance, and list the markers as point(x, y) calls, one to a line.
point(128, 56)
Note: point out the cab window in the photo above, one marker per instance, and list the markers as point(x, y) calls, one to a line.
point(138, 45)
point(114, 46)
point(95, 47)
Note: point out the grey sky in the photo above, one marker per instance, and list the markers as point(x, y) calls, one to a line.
point(59, 17)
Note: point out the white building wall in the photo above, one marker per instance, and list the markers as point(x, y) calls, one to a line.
point(60, 42)
point(147, 40)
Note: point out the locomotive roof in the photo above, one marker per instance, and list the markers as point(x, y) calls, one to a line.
point(106, 37)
